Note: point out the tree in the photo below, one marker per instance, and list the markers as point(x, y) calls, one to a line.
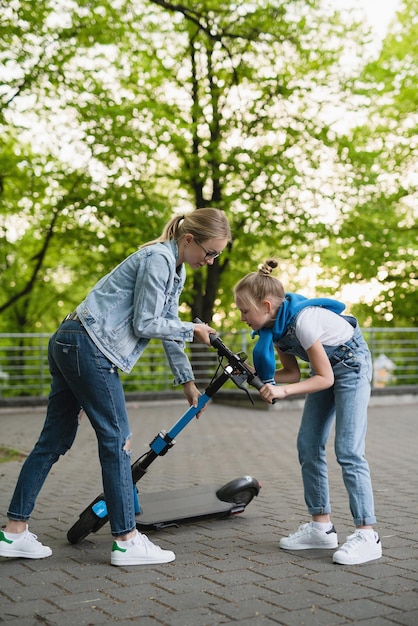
point(60, 214)
point(144, 108)
point(376, 238)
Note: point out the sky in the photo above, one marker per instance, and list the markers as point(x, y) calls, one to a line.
point(379, 13)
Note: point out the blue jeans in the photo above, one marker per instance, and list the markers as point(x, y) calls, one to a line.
point(345, 403)
point(82, 377)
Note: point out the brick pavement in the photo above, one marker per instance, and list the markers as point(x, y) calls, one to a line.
point(226, 571)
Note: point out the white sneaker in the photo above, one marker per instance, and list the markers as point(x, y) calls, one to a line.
point(308, 537)
point(139, 551)
point(25, 545)
point(360, 547)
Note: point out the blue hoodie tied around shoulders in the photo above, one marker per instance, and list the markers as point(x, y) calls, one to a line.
point(264, 357)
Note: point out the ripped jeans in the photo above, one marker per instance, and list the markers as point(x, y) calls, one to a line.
point(82, 377)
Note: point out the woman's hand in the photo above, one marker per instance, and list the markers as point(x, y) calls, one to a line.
point(202, 332)
point(192, 394)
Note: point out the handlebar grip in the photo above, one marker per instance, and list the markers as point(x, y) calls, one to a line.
point(256, 382)
point(212, 336)
point(215, 341)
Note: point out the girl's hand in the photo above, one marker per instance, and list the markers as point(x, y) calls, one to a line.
point(273, 392)
point(289, 375)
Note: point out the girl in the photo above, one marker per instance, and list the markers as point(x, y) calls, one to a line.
point(110, 329)
point(338, 390)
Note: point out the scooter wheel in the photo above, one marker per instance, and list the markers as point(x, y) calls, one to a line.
point(86, 524)
point(239, 491)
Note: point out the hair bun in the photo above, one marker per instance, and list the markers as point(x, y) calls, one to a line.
point(266, 268)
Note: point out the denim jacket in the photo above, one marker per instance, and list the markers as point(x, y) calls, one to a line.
point(138, 301)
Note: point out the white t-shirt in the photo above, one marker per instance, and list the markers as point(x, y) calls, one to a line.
point(315, 322)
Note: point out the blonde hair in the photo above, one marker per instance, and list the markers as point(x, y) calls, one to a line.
point(203, 224)
point(258, 286)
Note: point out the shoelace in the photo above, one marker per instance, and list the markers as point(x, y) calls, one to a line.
point(352, 540)
point(148, 545)
point(299, 531)
point(31, 536)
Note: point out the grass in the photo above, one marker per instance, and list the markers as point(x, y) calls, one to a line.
point(9, 454)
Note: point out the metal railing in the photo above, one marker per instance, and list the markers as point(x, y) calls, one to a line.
point(24, 364)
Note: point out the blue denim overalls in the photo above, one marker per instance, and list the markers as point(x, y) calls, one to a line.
point(345, 403)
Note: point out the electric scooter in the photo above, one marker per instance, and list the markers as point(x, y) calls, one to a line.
point(171, 508)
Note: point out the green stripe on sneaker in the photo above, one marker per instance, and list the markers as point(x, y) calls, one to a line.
point(116, 548)
point(4, 538)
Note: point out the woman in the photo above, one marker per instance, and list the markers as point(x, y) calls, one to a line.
point(338, 390)
point(109, 330)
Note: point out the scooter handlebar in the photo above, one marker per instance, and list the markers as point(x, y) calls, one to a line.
point(234, 359)
point(236, 362)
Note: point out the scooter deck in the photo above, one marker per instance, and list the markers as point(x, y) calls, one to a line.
point(170, 508)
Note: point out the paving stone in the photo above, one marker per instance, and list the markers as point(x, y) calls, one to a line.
point(227, 571)
point(362, 608)
point(407, 618)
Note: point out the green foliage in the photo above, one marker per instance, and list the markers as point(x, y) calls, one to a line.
point(115, 114)
point(377, 238)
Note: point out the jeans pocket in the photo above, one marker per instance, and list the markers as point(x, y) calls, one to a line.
point(351, 363)
point(66, 357)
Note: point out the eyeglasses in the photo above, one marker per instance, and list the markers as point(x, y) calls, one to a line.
point(209, 254)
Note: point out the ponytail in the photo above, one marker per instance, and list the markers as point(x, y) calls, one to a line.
point(203, 224)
